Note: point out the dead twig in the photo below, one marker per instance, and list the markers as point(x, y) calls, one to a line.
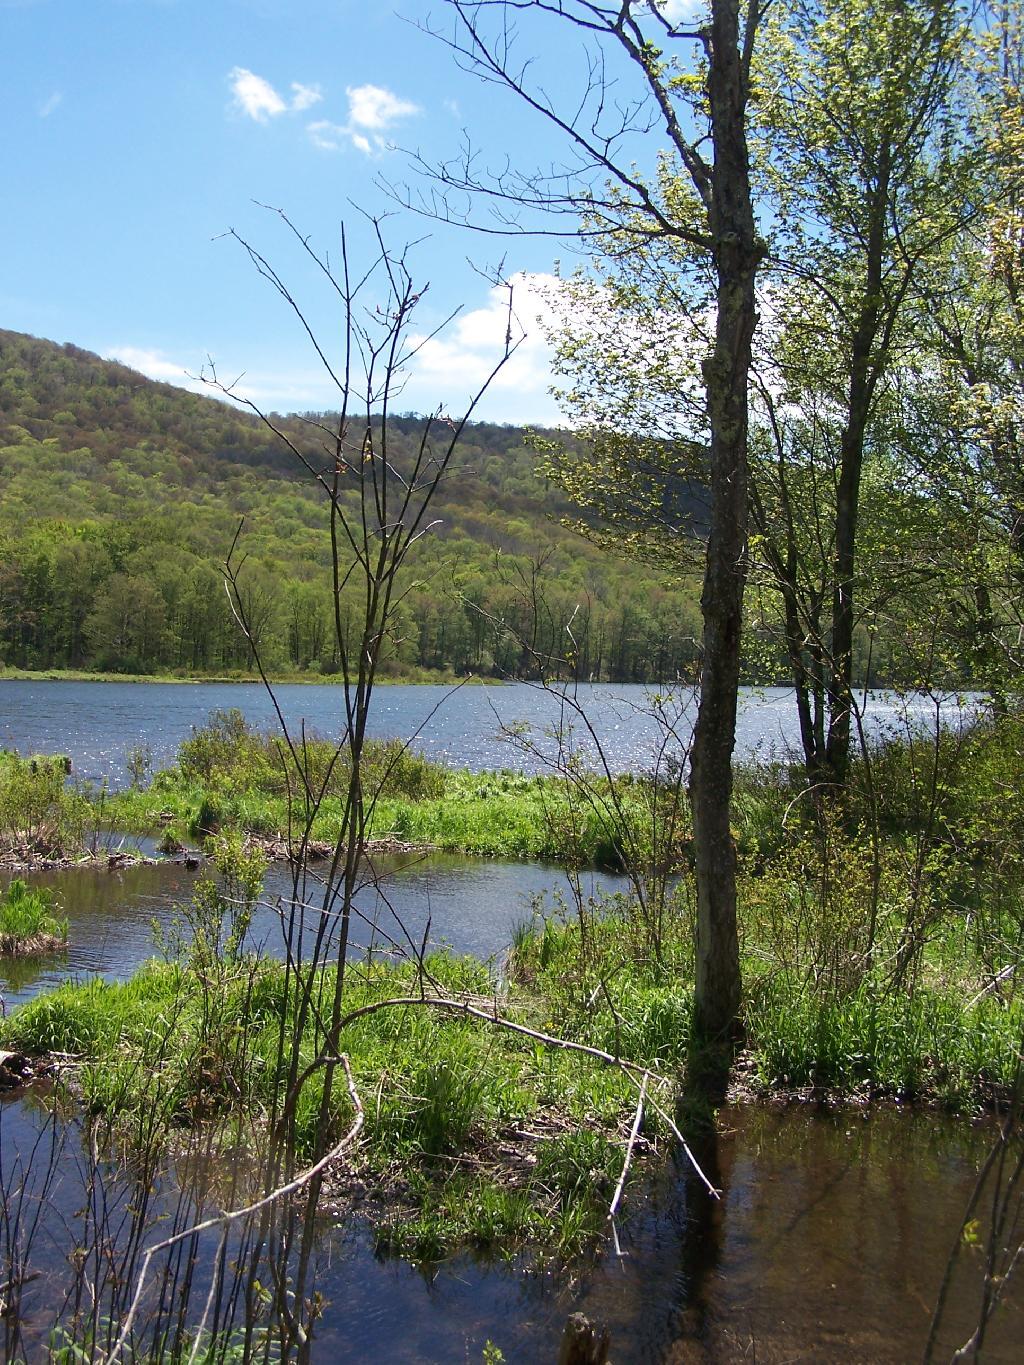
point(638, 1119)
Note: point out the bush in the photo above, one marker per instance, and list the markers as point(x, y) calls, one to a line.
point(39, 813)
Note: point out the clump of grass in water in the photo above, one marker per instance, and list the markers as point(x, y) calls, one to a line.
point(28, 926)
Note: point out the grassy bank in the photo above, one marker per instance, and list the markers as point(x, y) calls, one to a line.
point(230, 777)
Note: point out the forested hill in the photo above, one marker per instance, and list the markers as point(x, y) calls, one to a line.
point(119, 498)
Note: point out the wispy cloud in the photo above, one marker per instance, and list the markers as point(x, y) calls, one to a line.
point(155, 365)
point(376, 109)
point(257, 98)
point(304, 96)
point(372, 112)
point(449, 367)
point(285, 388)
point(49, 105)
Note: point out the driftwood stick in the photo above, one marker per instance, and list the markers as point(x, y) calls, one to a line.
point(638, 1118)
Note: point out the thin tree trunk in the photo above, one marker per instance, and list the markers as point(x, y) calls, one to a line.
point(737, 252)
point(865, 370)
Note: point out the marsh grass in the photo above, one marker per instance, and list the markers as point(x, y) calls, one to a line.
point(41, 816)
point(879, 944)
point(28, 926)
point(158, 1057)
point(230, 777)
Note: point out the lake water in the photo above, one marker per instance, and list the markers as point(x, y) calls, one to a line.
point(96, 723)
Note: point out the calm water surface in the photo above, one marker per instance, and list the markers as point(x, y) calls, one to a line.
point(472, 905)
point(829, 1245)
point(98, 722)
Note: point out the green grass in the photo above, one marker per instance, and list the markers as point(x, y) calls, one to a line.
point(414, 677)
point(923, 1046)
point(228, 776)
point(40, 815)
point(28, 925)
point(443, 1095)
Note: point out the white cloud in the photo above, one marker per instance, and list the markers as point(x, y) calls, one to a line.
point(376, 109)
point(282, 389)
point(50, 104)
point(304, 96)
point(329, 137)
point(259, 100)
point(155, 365)
point(255, 96)
point(372, 112)
point(448, 368)
point(677, 11)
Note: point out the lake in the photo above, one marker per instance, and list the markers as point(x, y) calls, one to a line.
point(97, 723)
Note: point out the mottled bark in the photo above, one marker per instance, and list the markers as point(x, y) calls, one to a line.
point(737, 253)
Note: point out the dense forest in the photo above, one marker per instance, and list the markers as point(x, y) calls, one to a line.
point(120, 497)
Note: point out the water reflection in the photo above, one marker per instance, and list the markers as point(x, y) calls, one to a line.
point(829, 1244)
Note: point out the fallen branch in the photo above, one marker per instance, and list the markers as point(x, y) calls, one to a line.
point(633, 1072)
point(638, 1118)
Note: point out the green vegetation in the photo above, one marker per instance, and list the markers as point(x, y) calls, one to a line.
point(876, 945)
point(195, 1039)
point(28, 926)
point(119, 497)
point(880, 934)
point(41, 817)
point(228, 776)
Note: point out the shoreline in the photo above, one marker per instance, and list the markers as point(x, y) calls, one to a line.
point(225, 680)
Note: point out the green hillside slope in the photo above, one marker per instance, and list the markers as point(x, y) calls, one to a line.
point(119, 499)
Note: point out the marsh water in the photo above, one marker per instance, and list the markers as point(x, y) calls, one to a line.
point(828, 1245)
point(834, 1228)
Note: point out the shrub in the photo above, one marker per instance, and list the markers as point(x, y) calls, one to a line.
point(39, 813)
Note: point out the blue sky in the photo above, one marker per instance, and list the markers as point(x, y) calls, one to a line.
point(136, 132)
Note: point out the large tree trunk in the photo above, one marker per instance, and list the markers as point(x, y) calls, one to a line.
point(737, 252)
